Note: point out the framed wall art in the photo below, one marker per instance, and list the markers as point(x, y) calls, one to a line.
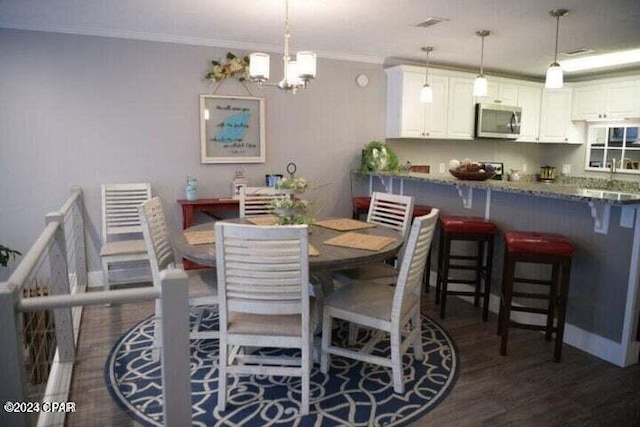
point(232, 129)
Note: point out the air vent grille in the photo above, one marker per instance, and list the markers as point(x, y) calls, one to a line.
point(577, 52)
point(431, 21)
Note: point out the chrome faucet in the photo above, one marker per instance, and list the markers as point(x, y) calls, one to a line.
point(612, 172)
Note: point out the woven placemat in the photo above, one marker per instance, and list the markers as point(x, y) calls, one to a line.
point(200, 237)
point(360, 241)
point(263, 220)
point(344, 224)
point(313, 251)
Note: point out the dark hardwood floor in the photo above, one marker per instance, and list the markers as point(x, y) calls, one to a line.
point(526, 388)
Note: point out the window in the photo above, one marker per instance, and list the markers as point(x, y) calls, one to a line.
point(608, 145)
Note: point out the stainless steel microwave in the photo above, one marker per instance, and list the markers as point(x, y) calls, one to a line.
point(497, 121)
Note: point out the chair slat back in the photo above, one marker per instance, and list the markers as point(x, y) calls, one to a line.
point(409, 284)
point(262, 270)
point(256, 200)
point(391, 210)
point(120, 208)
point(156, 236)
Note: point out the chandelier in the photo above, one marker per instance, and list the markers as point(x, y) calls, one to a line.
point(297, 74)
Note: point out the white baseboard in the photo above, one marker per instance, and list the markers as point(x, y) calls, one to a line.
point(596, 345)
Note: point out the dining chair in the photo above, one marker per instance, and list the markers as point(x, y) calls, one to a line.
point(389, 311)
point(263, 276)
point(203, 291)
point(120, 221)
point(256, 201)
point(388, 210)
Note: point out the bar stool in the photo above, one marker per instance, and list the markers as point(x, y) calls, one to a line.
point(538, 248)
point(469, 229)
point(360, 206)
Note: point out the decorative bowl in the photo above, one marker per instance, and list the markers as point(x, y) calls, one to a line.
point(472, 176)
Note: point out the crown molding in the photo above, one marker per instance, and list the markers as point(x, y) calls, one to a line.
point(172, 38)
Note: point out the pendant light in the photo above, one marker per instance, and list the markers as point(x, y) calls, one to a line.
point(426, 93)
point(297, 74)
point(554, 78)
point(480, 84)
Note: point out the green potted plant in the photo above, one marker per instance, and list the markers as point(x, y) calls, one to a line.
point(7, 254)
point(377, 157)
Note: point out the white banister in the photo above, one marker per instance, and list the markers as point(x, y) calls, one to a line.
point(175, 358)
point(60, 286)
point(30, 259)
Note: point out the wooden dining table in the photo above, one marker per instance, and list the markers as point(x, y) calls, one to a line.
point(330, 258)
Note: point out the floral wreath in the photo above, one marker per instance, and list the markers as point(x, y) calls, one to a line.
point(232, 66)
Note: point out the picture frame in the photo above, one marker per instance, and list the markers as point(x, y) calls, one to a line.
point(232, 129)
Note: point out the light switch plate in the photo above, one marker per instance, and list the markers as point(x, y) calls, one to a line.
point(441, 168)
point(566, 169)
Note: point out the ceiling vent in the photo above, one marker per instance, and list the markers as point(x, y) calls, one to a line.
point(431, 21)
point(577, 52)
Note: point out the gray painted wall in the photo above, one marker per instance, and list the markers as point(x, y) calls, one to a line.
point(82, 110)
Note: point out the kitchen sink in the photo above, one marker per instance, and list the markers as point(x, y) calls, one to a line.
point(607, 194)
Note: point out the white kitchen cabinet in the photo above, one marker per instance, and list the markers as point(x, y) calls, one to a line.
point(500, 92)
point(555, 117)
point(607, 101)
point(461, 113)
point(407, 117)
point(530, 100)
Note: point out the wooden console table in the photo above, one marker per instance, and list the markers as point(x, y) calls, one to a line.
point(211, 207)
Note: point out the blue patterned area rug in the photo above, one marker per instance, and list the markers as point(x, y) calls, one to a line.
point(352, 394)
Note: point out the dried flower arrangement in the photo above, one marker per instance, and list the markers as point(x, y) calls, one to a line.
point(232, 66)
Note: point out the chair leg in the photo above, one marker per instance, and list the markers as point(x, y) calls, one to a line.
point(440, 266)
point(157, 332)
point(553, 300)
point(506, 309)
point(396, 362)
point(222, 376)
point(306, 373)
point(353, 333)
point(479, 264)
point(562, 308)
point(487, 280)
point(326, 341)
point(445, 277)
point(427, 273)
point(416, 329)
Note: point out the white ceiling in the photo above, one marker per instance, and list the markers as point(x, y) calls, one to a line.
point(375, 31)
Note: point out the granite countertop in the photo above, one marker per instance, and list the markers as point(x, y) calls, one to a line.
point(574, 188)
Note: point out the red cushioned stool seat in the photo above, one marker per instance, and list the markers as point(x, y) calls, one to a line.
point(535, 248)
point(464, 224)
point(468, 229)
point(538, 243)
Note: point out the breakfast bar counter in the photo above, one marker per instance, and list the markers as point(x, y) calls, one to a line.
point(603, 223)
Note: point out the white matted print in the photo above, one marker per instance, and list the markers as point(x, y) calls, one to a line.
point(232, 129)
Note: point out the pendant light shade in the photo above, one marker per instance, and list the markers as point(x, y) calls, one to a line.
point(426, 93)
point(480, 85)
point(554, 79)
point(259, 66)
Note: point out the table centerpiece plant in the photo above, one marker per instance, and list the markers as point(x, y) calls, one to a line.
point(288, 208)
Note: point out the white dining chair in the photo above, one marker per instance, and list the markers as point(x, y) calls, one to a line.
point(392, 312)
point(121, 231)
point(387, 210)
point(203, 291)
point(263, 276)
point(255, 201)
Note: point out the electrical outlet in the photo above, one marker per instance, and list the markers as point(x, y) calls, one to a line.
point(566, 169)
point(441, 168)
point(524, 167)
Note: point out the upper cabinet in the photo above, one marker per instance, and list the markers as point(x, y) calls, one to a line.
point(500, 92)
point(555, 118)
point(529, 99)
point(607, 100)
point(461, 113)
point(407, 117)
